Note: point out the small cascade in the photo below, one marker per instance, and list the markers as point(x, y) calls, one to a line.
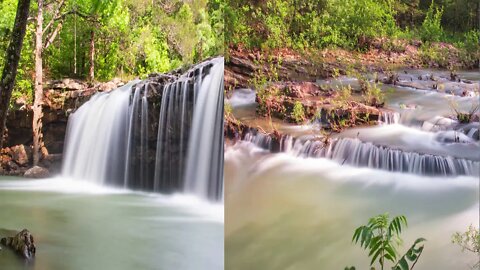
point(364, 154)
point(259, 139)
point(389, 118)
point(163, 134)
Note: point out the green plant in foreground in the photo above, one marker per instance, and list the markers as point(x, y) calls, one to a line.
point(298, 113)
point(469, 241)
point(381, 237)
point(373, 95)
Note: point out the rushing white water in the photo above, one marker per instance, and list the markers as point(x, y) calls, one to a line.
point(389, 118)
point(294, 202)
point(97, 137)
point(113, 138)
point(204, 171)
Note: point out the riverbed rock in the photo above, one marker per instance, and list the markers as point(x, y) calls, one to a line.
point(22, 243)
point(37, 172)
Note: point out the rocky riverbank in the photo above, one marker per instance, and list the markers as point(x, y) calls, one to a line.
point(377, 55)
point(338, 89)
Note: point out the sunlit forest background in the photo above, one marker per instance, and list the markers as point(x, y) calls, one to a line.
point(130, 38)
point(301, 24)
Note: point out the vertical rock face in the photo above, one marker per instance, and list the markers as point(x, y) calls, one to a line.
point(22, 243)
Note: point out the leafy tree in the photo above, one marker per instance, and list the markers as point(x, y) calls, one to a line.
point(431, 29)
point(12, 59)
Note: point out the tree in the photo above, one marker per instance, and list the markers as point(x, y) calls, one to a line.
point(11, 62)
point(49, 36)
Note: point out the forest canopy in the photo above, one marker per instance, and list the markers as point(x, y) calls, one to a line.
point(130, 37)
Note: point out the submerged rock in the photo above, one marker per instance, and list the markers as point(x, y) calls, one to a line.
point(37, 172)
point(22, 243)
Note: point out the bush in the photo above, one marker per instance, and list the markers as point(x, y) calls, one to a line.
point(348, 21)
point(431, 29)
point(298, 113)
point(430, 55)
point(469, 241)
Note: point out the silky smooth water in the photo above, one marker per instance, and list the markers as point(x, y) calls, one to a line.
point(298, 210)
point(286, 212)
point(80, 226)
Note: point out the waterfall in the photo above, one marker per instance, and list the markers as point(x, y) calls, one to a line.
point(204, 168)
point(162, 134)
point(97, 138)
point(365, 154)
point(389, 118)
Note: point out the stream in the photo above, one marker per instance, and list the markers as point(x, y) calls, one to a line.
point(80, 225)
point(298, 209)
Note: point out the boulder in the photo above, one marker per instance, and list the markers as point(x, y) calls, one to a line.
point(19, 154)
point(22, 243)
point(66, 84)
point(37, 172)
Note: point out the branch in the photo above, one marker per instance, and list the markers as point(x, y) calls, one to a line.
point(53, 35)
point(55, 16)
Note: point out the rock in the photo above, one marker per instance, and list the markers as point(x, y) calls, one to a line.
point(106, 87)
point(22, 243)
point(19, 154)
point(37, 172)
point(66, 84)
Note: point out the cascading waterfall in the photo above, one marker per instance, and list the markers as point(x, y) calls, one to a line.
point(204, 168)
point(354, 152)
point(163, 134)
point(389, 118)
point(97, 138)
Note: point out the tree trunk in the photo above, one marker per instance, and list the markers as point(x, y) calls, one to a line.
point(91, 71)
point(37, 104)
point(11, 62)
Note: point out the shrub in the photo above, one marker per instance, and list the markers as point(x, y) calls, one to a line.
point(469, 241)
point(298, 113)
point(431, 29)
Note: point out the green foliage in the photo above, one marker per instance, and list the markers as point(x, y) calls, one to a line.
point(411, 257)
point(303, 24)
point(430, 54)
point(265, 74)
point(381, 237)
point(347, 22)
point(469, 46)
point(132, 38)
point(298, 113)
point(462, 116)
point(432, 29)
point(469, 241)
point(374, 95)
